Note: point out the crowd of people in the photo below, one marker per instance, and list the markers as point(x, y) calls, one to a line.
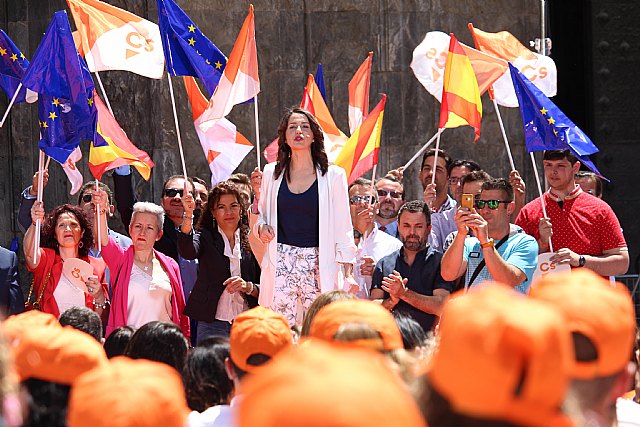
point(294, 298)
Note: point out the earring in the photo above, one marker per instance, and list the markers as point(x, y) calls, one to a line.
point(80, 245)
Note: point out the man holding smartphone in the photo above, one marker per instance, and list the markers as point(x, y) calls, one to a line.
point(497, 251)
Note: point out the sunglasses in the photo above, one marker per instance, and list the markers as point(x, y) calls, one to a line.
point(392, 194)
point(354, 200)
point(493, 204)
point(172, 192)
point(87, 198)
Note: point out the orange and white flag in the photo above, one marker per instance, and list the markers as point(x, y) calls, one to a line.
point(72, 172)
point(111, 38)
point(223, 146)
point(239, 81)
point(359, 94)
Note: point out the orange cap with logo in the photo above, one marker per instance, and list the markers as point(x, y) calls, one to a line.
point(128, 393)
point(331, 317)
point(502, 356)
point(322, 384)
point(596, 309)
point(258, 331)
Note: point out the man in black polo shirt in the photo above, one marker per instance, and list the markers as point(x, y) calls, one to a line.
point(409, 280)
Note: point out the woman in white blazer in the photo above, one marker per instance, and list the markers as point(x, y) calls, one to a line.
point(304, 220)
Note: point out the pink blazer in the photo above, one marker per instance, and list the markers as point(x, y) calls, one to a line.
point(120, 263)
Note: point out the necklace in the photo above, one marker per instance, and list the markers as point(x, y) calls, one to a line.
point(145, 266)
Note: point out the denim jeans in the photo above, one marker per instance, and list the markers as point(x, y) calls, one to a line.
point(217, 328)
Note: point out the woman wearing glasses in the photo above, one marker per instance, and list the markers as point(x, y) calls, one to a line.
point(146, 283)
point(228, 274)
point(66, 233)
point(304, 219)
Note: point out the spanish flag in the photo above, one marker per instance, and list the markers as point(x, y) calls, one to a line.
point(461, 104)
point(359, 94)
point(112, 147)
point(360, 153)
point(111, 38)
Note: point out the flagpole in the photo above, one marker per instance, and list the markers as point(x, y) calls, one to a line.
point(97, 217)
point(544, 208)
point(504, 134)
point(36, 237)
point(13, 99)
point(175, 118)
point(422, 150)
point(104, 94)
point(435, 159)
point(255, 111)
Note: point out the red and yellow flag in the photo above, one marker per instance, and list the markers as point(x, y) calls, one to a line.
point(360, 153)
point(461, 104)
point(359, 94)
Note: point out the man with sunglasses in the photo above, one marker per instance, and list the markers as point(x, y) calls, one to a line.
point(390, 200)
point(496, 251)
point(372, 243)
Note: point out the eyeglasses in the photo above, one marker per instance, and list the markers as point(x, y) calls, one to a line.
point(172, 192)
point(493, 204)
point(354, 200)
point(392, 194)
point(87, 198)
point(455, 180)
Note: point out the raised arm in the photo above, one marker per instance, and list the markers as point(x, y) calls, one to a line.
point(37, 212)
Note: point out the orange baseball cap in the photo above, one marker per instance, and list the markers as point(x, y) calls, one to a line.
point(258, 331)
point(55, 354)
point(502, 356)
point(14, 325)
point(594, 307)
point(331, 317)
point(128, 393)
point(321, 384)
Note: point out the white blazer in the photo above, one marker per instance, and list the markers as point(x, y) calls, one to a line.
point(336, 231)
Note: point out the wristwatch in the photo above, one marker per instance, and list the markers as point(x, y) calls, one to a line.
point(489, 244)
point(356, 234)
point(581, 261)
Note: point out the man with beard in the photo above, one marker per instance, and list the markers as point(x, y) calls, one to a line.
point(496, 251)
point(409, 280)
point(390, 198)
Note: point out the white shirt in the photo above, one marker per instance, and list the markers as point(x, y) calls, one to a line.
point(230, 305)
point(149, 296)
point(378, 244)
point(67, 295)
point(628, 413)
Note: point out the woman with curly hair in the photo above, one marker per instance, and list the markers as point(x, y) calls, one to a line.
point(228, 272)
point(66, 233)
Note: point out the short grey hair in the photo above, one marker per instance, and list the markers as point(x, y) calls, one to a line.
point(150, 208)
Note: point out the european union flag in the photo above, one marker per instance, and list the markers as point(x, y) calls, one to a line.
point(66, 113)
point(12, 67)
point(319, 78)
point(187, 51)
point(546, 127)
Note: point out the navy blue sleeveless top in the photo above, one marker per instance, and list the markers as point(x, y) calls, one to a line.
point(298, 218)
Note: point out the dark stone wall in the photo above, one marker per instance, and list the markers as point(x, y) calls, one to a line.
point(292, 37)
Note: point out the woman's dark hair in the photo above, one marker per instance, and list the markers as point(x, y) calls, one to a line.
point(205, 379)
point(208, 222)
point(318, 154)
point(117, 341)
point(49, 228)
point(161, 342)
point(47, 403)
point(413, 336)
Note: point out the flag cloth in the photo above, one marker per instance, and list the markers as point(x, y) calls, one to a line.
point(461, 104)
point(360, 153)
point(430, 57)
point(66, 110)
point(72, 172)
point(111, 38)
point(546, 127)
point(359, 94)
point(112, 147)
point(319, 78)
point(13, 64)
point(224, 147)
point(540, 69)
point(187, 51)
point(313, 102)
point(239, 81)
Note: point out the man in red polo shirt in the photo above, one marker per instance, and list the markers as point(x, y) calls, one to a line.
point(585, 230)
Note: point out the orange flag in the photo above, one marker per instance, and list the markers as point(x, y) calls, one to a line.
point(239, 81)
point(359, 94)
point(360, 153)
point(461, 104)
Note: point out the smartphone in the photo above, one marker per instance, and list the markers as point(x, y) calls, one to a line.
point(467, 201)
